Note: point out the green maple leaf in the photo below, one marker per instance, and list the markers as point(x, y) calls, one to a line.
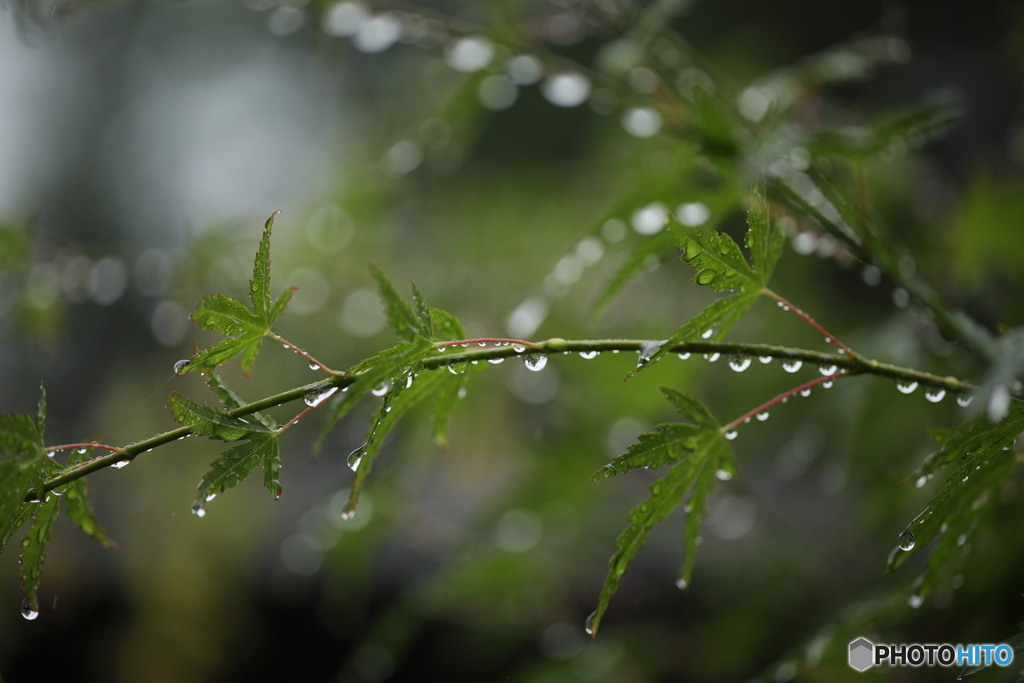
point(258, 436)
point(695, 451)
point(721, 266)
point(246, 327)
point(981, 459)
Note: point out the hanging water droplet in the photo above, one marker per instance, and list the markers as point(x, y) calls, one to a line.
point(935, 395)
point(762, 416)
point(518, 348)
point(921, 481)
point(590, 625)
point(683, 356)
point(315, 397)
point(383, 388)
point(461, 393)
point(210, 497)
point(791, 365)
point(906, 387)
point(706, 334)
point(26, 610)
point(180, 366)
point(495, 361)
point(961, 539)
point(827, 385)
point(81, 450)
point(588, 355)
point(805, 392)
point(120, 463)
point(739, 364)
point(408, 381)
point(349, 511)
point(481, 344)
point(356, 457)
point(313, 366)
point(907, 540)
point(730, 435)
point(456, 370)
point(963, 400)
point(198, 510)
point(712, 357)
point(647, 351)
point(915, 601)
point(681, 583)
point(535, 363)
point(782, 306)
point(721, 474)
point(765, 360)
point(827, 370)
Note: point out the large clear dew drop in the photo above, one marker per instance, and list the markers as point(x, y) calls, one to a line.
point(535, 363)
point(935, 395)
point(315, 398)
point(26, 610)
point(356, 457)
point(907, 540)
point(792, 365)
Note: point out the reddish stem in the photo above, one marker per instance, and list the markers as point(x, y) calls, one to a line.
point(68, 446)
point(785, 396)
point(302, 352)
point(297, 417)
point(486, 340)
point(829, 337)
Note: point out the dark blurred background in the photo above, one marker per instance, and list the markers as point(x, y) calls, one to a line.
point(143, 144)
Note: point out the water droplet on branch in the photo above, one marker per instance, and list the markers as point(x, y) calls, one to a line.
point(198, 510)
point(765, 360)
point(589, 355)
point(963, 401)
point(907, 540)
point(356, 457)
point(495, 361)
point(935, 394)
point(535, 363)
point(313, 366)
point(120, 463)
point(590, 625)
point(26, 610)
point(383, 388)
point(762, 416)
point(827, 370)
point(906, 387)
point(712, 357)
point(683, 356)
point(180, 366)
point(315, 398)
point(730, 435)
point(791, 365)
point(739, 364)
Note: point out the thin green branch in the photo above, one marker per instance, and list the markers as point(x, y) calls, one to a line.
point(845, 363)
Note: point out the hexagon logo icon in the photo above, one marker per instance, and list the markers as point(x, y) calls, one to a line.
point(862, 654)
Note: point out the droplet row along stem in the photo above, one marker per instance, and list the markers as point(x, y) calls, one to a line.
point(498, 348)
